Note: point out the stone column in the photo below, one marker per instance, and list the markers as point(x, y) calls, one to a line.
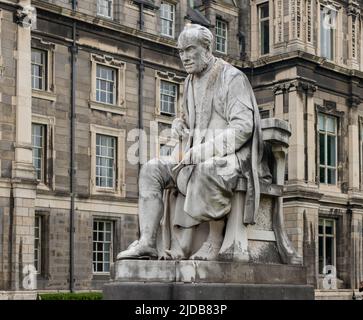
point(280, 90)
point(310, 133)
point(23, 191)
point(356, 270)
point(353, 138)
point(296, 120)
point(353, 12)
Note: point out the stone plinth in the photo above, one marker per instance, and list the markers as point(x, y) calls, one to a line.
point(209, 280)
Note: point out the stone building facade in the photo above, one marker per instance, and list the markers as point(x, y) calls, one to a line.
point(78, 78)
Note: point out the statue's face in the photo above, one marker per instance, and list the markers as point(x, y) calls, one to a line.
point(193, 55)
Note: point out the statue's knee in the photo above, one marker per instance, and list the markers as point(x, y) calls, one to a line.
point(150, 169)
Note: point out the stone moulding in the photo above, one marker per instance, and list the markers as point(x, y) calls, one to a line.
point(194, 271)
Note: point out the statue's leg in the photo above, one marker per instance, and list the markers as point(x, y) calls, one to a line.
point(181, 243)
point(154, 178)
point(210, 248)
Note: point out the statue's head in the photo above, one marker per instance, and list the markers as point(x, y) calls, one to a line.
point(195, 47)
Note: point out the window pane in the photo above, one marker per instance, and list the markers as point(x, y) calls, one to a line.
point(321, 256)
point(265, 37)
point(264, 10)
point(38, 69)
point(322, 174)
point(331, 176)
point(331, 124)
point(322, 148)
point(329, 227)
point(329, 252)
point(331, 152)
point(327, 25)
point(38, 144)
point(321, 226)
point(321, 122)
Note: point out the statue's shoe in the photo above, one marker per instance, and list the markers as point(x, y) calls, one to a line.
point(208, 251)
point(136, 250)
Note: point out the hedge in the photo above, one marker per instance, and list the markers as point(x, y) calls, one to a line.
point(70, 296)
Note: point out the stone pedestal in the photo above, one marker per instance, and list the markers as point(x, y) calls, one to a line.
point(206, 280)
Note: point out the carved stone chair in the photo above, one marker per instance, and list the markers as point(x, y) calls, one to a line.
point(264, 242)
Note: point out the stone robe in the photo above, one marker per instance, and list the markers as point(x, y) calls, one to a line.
point(229, 117)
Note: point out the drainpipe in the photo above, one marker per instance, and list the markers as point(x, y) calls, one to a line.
point(142, 4)
point(141, 68)
point(73, 50)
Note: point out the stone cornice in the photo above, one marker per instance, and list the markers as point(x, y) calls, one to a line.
point(299, 83)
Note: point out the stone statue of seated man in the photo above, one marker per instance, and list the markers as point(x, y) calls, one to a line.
point(221, 141)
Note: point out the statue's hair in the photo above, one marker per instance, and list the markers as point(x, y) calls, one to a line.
point(203, 35)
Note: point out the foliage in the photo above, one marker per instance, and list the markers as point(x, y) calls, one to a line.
point(70, 296)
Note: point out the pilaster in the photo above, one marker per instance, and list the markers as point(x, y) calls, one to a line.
point(23, 182)
point(353, 138)
point(353, 12)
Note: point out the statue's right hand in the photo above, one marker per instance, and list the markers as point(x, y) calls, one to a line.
point(179, 128)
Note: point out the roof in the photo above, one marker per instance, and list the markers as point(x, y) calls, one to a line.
point(196, 16)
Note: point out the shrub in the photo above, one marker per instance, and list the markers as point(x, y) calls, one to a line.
point(70, 296)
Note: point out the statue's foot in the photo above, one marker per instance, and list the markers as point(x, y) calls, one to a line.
point(137, 250)
point(174, 255)
point(208, 251)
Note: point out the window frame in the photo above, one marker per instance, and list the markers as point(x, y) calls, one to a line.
point(170, 114)
point(111, 242)
point(38, 266)
point(259, 21)
point(110, 2)
point(43, 147)
point(48, 93)
point(48, 183)
point(161, 139)
point(219, 36)
point(43, 66)
point(119, 188)
point(178, 81)
point(173, 6)
point(119, 105)
point(324, 235)
point(114, 161)
point(113, 81)
point(326, 134)
point(335, 32)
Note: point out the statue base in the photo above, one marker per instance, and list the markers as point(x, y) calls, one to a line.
point(206, 280)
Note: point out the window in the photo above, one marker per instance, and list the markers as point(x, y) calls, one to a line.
point(38, 243)
point(327, 32)
point(168, 96)
point(108, 84)
point(102, 245)
point(105, 161)
point(104, 8)
point(221, 36)
point(165, 150)
point(39, 149)
point(264, 114)
point(167, 16)
point(327, 245)
point(105, 84)
point(39, 69)
point(327, 127)
point(108, 158)
point(264, 28)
